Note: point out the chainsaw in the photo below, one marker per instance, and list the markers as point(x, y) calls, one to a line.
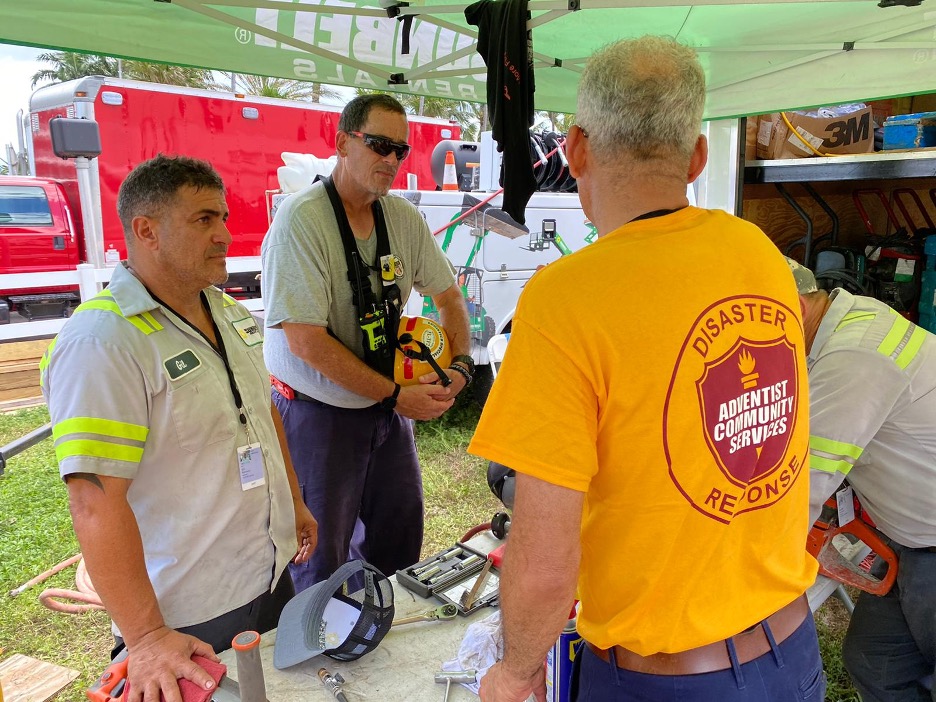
point(112, 684)
point(834, 564)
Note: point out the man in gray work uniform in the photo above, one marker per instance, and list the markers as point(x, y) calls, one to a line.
point(349, 425)
point(872, 413)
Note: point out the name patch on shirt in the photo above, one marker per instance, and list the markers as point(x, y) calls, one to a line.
point(249, 331)
point(182, 364)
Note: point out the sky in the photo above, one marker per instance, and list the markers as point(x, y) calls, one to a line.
point(17, 66)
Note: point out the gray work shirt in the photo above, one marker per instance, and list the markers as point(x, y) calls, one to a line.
point(305, 281)
point(872, 408)
point(136, 393)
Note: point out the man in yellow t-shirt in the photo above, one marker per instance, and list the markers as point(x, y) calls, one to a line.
point(653, 401)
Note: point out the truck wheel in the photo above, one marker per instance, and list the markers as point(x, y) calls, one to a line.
point(481, 384)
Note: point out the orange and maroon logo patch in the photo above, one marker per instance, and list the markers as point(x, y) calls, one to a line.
point(734, 397)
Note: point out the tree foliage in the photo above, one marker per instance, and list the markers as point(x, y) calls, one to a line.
point(68, 65)
point(284, 88)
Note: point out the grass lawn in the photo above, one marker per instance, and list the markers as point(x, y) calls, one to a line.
point(35, 534)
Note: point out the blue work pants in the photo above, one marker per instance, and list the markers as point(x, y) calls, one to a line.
point(890, 647)
point(360, 477)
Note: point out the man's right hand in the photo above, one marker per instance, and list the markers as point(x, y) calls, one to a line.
point(160, 658)
point(424, 401)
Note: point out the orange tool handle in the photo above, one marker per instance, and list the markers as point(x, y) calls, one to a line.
point(113, 682)
point(833, 565)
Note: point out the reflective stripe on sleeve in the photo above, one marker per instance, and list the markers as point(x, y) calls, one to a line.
point(44, 361)
point(896, 338)
point(98, 449)
point(912, 348)
point(104, 427)
point(832, 456)
point(120, 441)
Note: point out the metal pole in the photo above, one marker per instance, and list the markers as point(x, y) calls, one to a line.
point(93, 231)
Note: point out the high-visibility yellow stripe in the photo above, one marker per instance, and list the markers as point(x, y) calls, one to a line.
point(228, 300)
point(148, 316)
point(91, 448)
point(829, 465)
point(909, 352)
point(855, 317)
point(840, 448)
point(97, 303)
point(44, 361)
point(896, 337)
point(105, 427)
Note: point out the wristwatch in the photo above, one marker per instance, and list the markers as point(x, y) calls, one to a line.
point(467, 360)
point(389, 402)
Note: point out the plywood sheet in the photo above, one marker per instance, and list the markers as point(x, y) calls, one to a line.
point(26, 679)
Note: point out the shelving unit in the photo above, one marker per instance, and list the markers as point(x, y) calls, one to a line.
point(876, 166)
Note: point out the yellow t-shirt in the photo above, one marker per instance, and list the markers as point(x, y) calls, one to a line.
point(661, 371)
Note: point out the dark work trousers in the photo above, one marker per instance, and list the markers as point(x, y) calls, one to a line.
point(890, 648)
point(356, 467)
point(791, 672)
point(261, 616)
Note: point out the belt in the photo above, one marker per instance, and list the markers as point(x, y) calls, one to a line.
point(749, 644)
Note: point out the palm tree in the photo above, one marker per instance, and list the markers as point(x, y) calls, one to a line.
point(284, 88)
point(67, 65)
point(557, 121)
point(468, 115)
point(168, 74)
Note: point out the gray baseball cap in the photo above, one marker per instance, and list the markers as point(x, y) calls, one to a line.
point(805, 280)
point(329, 618)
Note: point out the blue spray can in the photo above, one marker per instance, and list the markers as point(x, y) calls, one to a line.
point(559, 661)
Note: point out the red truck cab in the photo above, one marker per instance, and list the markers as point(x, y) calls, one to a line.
point(37, 235)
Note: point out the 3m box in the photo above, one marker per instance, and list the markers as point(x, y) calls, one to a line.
point(914, 131)
point(846, 134)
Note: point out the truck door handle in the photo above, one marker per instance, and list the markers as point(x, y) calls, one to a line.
point(58, 243)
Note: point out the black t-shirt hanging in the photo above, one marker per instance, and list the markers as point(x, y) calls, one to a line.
point(506, 47)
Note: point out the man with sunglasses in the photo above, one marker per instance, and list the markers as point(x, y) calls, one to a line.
point(348, 424)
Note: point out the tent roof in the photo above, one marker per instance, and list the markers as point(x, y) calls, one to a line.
point(758, 57)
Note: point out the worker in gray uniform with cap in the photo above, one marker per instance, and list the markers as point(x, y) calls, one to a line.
point(872, 396)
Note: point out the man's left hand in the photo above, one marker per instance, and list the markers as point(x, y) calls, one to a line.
point(306, 533)
point(500, 685)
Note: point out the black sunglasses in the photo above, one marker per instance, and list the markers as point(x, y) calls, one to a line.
point(382, 146)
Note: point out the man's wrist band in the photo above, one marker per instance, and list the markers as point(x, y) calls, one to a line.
point(465, 374)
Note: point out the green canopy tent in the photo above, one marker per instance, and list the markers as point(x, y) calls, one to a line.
point(759, 57)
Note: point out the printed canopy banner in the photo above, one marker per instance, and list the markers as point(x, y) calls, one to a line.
point(759, 57)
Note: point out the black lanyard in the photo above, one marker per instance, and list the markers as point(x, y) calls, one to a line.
point(656, 213)
point(219, 349)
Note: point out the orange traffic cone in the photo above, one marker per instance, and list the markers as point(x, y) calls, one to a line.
point(449, 180)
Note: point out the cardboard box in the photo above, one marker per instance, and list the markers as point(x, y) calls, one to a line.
point(848, 134)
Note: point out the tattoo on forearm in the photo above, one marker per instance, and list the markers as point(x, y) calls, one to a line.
point(90, 477)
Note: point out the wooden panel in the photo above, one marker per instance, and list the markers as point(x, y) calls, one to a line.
point(19, 369)
point(17, 350)
point(26, 679)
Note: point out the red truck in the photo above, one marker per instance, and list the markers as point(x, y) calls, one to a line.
point(42, 222)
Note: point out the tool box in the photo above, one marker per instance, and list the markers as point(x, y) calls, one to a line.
point(449, 574)
point(913, 131)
